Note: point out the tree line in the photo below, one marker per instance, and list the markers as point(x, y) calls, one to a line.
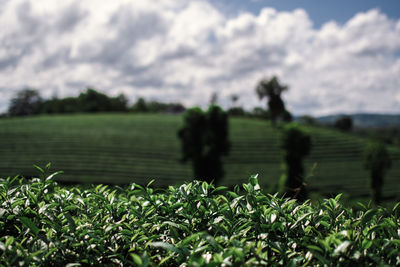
point(29, 102)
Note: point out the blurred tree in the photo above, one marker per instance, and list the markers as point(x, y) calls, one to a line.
point(204, 138)
point(344, 123)
point(296, 145)
point(376, 160)
point(119, 103)
point(64, 105)
point(140, 106)
point(236, 111)
point(26, 102)
point(308, 120)
point(259, 112)
point(271, 89)
point(287, 116)
point(214, 98)
point(93, 101)
point(234, 99)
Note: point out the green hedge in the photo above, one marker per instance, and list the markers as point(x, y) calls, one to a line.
point(42, 223)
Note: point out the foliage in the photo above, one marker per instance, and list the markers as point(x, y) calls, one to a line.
point(139, 106)
point(88, 101)
point(142, 106)
point(29, 102)
point(296, 145)
point(236, 111)
point(26, 102)
point(272, 89)
point(344, 123)
point(376, 160)
point(287, 116)
point(308, 120)
point(93, 101)
point(195, 224)
point(204, 138)
point(259, 112)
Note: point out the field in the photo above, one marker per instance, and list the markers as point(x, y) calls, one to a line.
point(125, 148)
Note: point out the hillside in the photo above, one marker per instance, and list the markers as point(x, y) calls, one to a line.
point(123, 148)
point(365, 119)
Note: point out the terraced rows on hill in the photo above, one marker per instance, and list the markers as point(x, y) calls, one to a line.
point(123, 148)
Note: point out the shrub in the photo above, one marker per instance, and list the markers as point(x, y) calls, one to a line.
point(204, 139)
point(376, 160)
point(296, 145)
point(194, 224)
point(344, 123)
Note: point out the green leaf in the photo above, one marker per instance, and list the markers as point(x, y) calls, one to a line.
point(71, 223)
point(312, 247)
point(396, 206)
point(28, 223)
point(9, 241)
point(150, 183)
point(253, 180)
point(338, 197)
point(50, 177)
point(300, 219)
point(190, 238)
point(333, 203)
point(366, 244)
point(32, 197)
point(165, 246)
point(39, 169)
point(204, 187)
point(368, 216)
point(232, 194)
point(48, 166)
point(342, 248)
point(218, 189)
point(136, 259)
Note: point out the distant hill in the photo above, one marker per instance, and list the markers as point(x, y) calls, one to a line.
point(365, 119)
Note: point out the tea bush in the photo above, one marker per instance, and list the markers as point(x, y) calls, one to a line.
point(196, 223)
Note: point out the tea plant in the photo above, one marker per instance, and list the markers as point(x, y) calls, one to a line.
point(195, 224)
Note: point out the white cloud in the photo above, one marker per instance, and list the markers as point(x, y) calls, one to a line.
point(186, 50)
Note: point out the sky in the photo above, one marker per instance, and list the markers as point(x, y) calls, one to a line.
point(335, 56)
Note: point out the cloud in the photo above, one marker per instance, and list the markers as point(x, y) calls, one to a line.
point(185, 50)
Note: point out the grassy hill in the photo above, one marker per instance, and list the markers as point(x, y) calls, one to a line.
point(124, 148)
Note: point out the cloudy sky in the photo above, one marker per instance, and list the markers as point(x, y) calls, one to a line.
point(335, 56)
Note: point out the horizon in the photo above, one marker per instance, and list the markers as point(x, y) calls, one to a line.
point(336, 57)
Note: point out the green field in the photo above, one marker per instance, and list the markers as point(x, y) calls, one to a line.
point(124, 148)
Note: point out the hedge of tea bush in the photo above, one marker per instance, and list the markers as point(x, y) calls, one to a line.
point(195, 224)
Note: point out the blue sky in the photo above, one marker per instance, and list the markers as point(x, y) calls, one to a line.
point(335, 56)
point(320, 11)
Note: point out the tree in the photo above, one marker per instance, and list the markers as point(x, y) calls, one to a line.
point(93, 101)
point(296, 145)
point(376, 160)
point(204, 138)
point(26, 102)
point(344, 123)
point(214, 98)
point(271, 89)
point(234, 99)
point(140, 106)
point(308, 120)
